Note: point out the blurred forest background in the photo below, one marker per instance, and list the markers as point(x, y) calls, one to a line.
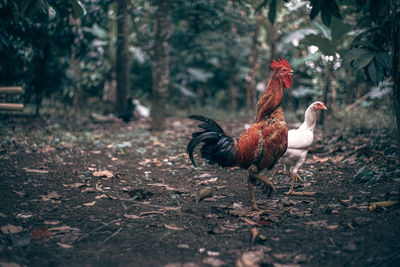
point(181, 57)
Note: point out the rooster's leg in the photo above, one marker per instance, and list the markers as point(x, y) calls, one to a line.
point(254, 173)
point(291, 192)
point(250, 183)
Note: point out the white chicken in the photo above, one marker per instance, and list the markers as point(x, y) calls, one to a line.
point(298, 142)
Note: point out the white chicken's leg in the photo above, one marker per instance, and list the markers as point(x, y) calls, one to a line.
point(294, 176)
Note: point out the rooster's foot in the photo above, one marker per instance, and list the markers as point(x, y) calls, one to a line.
point(298, 178)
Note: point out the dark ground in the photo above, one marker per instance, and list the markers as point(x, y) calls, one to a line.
point(56, 212)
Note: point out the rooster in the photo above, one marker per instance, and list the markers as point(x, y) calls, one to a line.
point(261, 145)
point(298, 142)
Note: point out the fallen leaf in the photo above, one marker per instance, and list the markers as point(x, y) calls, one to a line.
point(105, 173)
point(41, 233)
point(383, 204)
point(131, 216)
point(89, 204)
point(52, 195)
point(75, 185)
point(35, 171)
point(64, 245)
point(88, 190)
point(332, 227)
point(347, 200)
point(205, 193)
point(51, 222)
point(251, 222)
point(214, 262)
point(11, 229)
point(170, 227)
point(212, 180)
point(251, 259)
point(167, 187)
point(101, 196)
point(145, 162)
point(63, 228)
point(24, 216)
point(320, 160)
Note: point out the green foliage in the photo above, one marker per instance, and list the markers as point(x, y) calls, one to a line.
point(327, 8)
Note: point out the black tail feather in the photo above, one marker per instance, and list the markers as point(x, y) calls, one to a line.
point(218, 147)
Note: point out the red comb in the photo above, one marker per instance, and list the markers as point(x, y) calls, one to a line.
point(280, 63)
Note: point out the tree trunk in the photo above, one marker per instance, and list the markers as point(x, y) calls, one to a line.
point(160, 71)
point(77, 101)
point(396, 73)
point(328, 77)
point(251, 96)
point(123, 62)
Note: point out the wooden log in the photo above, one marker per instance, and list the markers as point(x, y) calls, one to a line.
point(10, 90)
point(11, 106)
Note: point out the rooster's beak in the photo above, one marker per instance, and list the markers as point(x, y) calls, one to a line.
point(324, 107)
point(291, 71)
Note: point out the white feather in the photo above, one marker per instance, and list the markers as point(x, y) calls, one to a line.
point(298, 142)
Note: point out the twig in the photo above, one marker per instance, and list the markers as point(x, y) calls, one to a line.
point(98, 228)
point(114, 234)
point(151, 212)
point(358, 102)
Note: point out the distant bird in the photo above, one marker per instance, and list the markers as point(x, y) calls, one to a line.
point(140, 109)
point(127, 114)
point(261, 145)
point(298, 142)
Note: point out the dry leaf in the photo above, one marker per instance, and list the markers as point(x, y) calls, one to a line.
point(89, 204)
point(318, 159)
point(205, 193)
point(145, 162)
point(75, 185)
point(347, 200)
point(105, 173)
point(96, 152)
point(212, 180)
point(24, 216)
point(63, 228)
point(167, 187)
point(101, 196)
point(51, 222)
point(41, 233)
point(88, 190)
point(64, 245)
point(35, 171)
point(170, 227)
point(332, 227)
point(52, 195)
point(131, 216)
point(383, 204)
point(11, 229)
point(251, 222)
point(214, 262)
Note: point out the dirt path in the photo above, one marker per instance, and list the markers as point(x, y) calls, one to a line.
point(59, 209)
